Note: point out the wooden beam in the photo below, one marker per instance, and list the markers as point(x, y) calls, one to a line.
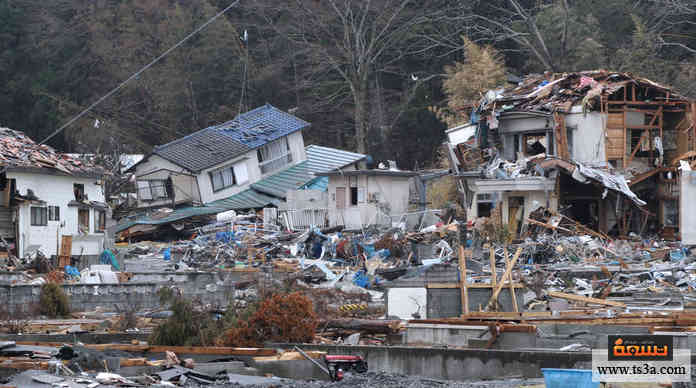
point(578, 298)
point(462, 280)
point(468, 285)
point(512, 288)
point(507, 272)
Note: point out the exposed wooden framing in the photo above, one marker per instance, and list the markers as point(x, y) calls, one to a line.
point(561, 136)
point(506, 274)
point(462, 280)
point(578, 298)
point(468, 285)
point(512, 289)
point(623, 144)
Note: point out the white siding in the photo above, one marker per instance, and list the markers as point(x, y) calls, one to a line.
point(253, 175)
point(57, 190)
point(390, 190)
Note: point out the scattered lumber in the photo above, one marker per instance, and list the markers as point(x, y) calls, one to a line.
point(366, 326)
point(578, 298)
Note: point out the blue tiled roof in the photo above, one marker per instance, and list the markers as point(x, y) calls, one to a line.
point(262, 125)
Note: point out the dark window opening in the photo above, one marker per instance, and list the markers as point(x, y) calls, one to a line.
point(83, 220)
point(79, 190)
point(483, 209)
point(54, 213)
point(354, 196)
point(534, 144)
point(39, 216)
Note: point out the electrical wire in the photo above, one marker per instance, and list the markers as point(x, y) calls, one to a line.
point(136, 74)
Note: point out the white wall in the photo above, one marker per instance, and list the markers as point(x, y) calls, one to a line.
point(253, 173)
point(57, 190)
point(532, 201)
point(390, 190)
point(296, 143)
point(687, 208)
point(156, 167)
point(403, 302)
point(588, 136)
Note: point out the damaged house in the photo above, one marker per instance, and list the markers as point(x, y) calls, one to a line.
point(51, 202)
point(604, 148)
point(250, 162)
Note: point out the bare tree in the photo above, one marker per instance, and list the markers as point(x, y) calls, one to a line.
point(348, 44)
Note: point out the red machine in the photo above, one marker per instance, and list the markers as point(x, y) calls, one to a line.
point(337, 365)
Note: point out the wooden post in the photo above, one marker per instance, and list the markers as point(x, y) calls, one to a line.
point(493, 271)
point(508, 270)
point(512, 284)
point(462, 281)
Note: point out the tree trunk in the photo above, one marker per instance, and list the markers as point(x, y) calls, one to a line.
point(361, 115)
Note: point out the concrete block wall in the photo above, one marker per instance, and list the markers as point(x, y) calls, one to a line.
point(87, 297)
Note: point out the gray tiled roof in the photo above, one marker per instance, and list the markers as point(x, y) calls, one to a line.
point(201, 150)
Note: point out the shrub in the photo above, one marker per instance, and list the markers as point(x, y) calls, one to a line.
point(279, 318)
point(53, 302)
point(185, 327)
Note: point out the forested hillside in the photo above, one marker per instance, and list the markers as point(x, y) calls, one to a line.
point(368, 74)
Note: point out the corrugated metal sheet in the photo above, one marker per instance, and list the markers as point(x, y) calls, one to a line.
point(247, 199)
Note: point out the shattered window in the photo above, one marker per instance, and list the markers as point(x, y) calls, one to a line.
point(149, 190)
point(534, 144)
point(39, 216)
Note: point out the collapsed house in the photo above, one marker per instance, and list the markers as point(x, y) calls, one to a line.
point(603, 147)
point(248, 163)
point(51, 202)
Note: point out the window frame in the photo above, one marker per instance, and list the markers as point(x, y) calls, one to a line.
point(42, 214)
point(79, 221)
point(220, 171)
point(53, 213)
point(99, 221)
point(270, 165)
point(538, 136)
point(150, 185)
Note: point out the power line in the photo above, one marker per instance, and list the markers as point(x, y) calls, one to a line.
point(136, 74)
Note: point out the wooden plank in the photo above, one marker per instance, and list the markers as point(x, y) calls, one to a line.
point(507, 272)
point(468, 285)
point(578, 298)
point(512, 289)
point(462, 280)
